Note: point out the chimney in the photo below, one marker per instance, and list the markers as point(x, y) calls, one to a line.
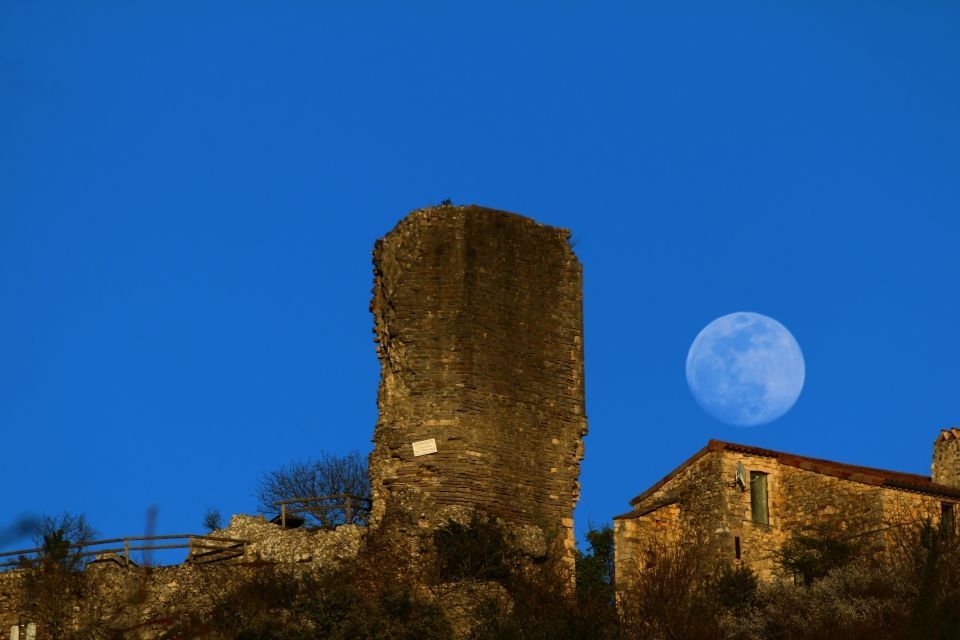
point(946, 458)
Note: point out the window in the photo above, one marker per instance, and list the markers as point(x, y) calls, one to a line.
point(758, 497)
point(947, 521)
point(736, 546)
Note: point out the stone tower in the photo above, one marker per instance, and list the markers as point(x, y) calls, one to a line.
point(478, 322)
point(946, 458)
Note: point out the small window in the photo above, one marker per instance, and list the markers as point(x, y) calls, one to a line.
point(947, 519)
point(736, 546)
point(758, 497)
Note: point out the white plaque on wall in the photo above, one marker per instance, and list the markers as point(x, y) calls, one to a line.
point(423, 447)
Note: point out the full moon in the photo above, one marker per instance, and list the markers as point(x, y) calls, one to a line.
point(745, 369)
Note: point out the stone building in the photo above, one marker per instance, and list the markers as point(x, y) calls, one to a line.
point(478, 322)
point(743, 503)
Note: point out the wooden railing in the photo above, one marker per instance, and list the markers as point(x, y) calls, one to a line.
point(200, 549)
point(320, 507)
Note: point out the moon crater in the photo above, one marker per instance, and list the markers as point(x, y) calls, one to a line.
point(745, 369)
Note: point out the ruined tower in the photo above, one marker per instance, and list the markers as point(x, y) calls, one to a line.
point(946, 458)
point(478, 320)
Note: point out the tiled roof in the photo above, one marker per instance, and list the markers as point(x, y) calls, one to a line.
point(854, 473)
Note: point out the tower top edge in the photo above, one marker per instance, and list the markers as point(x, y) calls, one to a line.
point(452, 212)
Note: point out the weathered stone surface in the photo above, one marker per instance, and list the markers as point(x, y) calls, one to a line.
point(701, 504)
point(478, 322)
point(946, 458)
point(465, 602)
point(323, 548)
point(142, 598)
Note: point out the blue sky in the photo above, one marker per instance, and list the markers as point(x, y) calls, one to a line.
point(190, 192)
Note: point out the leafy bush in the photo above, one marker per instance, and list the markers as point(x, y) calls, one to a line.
point(734, 589)
point(338, 605)
point(933, 566)
point(595, 568)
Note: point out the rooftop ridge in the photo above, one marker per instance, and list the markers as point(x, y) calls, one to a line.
point(852, 472)
point(794, 460)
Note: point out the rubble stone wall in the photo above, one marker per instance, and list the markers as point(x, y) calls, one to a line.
point(323, 548)
point(142, 598)
point(714, 511)
point(758, 542)
point(687, 509)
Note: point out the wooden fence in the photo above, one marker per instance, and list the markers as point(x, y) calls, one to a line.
point(200, 549)
point(321, 506)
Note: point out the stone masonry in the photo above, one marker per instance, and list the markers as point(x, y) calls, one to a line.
point(701, 503)
point(946, 458)
point(478, 321)
point(143, 600)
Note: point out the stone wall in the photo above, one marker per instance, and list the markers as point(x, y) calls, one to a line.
point(142, 599)
point(758, 542)
point(322, 548)
point(478, 323)
point(132, 598)
point(946, 458)
point(701, 502)
point(640, 536)
point(797, 500)
point(688, 509)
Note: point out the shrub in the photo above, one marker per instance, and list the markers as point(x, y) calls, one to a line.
point(853, 602)
point(284, 605)
point(734, 589)
point(475, 551)
point(668, 599)
point(595, 568)
point(817, 550)
point(933, 566)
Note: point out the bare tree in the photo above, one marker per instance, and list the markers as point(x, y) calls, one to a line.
point(328, 475)
point(55, 578)
point(665, 600)
point(212, 520)
point(54, 535)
